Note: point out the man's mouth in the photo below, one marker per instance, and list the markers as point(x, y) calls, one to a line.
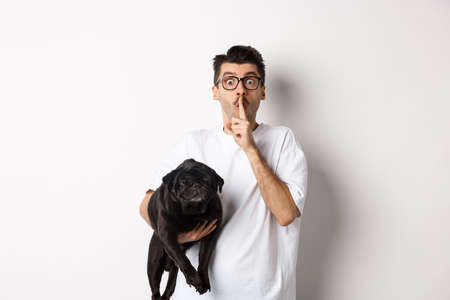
point(237, 106)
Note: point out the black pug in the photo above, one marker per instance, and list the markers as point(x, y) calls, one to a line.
point(187, 196)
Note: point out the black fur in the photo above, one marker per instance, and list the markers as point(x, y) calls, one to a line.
point(187, 196)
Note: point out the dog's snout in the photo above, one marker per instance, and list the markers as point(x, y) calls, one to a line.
point(197, 207)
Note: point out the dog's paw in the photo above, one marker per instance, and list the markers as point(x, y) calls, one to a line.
point(202, 289)
point(193, 279)
point(205, 282)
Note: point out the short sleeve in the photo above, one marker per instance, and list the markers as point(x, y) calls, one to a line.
point(292, 169)
point(174, 156)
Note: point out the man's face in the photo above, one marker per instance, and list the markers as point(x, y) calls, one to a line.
point(229, 98)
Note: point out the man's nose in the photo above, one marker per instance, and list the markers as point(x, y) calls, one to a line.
point(240, 89)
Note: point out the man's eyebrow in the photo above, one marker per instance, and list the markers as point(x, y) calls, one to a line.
point(232, 73)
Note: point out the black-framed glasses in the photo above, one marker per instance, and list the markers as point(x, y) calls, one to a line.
point(230, 82)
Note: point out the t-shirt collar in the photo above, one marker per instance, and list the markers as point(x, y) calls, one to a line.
point(222, 134)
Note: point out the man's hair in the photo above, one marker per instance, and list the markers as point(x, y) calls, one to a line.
point(240, 55)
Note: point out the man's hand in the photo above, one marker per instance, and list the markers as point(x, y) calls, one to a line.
point(241, 129)
point(200, 231)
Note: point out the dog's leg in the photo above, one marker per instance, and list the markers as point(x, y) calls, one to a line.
point(169, 239)
point(171, 282)
point(207, 246)
point(155, 266)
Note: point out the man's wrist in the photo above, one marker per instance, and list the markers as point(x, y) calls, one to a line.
point(252, 152)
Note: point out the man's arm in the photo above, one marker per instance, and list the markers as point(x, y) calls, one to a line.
point(275, 192)
point(143, 207)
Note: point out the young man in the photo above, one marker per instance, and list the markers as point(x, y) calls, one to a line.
point(265, 175)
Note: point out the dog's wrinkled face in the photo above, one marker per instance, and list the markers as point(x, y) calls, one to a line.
point(193, 183)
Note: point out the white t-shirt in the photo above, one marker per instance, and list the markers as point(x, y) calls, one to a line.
point(255, 257)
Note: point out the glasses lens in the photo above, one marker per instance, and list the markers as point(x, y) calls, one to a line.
point(229, 82)
point(251, 82)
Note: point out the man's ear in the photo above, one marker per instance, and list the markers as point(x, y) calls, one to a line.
point(215, 91)
point(263, 92)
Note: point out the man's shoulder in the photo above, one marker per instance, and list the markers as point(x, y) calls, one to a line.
point(276, 131)
point(277, 128)
point(199, 134)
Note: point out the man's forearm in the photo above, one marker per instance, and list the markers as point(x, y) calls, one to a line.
point(143, 207)
point(275, 192)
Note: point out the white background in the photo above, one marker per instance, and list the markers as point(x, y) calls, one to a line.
point(93, 93)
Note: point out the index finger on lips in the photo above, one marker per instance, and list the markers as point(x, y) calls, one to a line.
point(241, 108)
point(242, 112)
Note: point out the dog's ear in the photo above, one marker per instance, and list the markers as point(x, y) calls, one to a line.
point(188, 163)
point(219, 181)
point(170, 177)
